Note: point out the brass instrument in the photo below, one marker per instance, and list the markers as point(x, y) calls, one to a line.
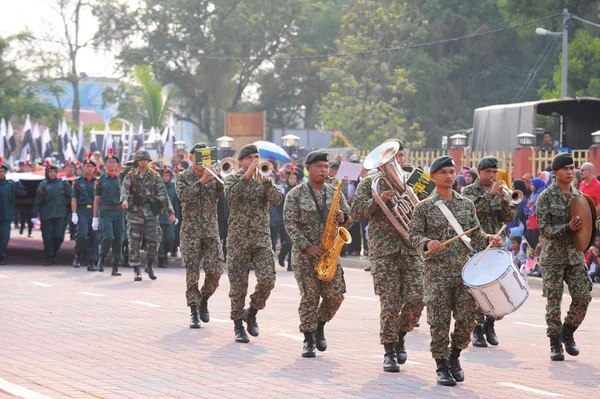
point(404, 200)
point(228, 166)
point(264, 169)
point(516, 196)
point(333, 239)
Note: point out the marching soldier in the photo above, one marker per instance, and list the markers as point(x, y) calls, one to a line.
point(397, 270)
point(108, 215)
point(167, 243)
point(82, 213)
point(51, 206)
point(445, 294)
point(305, 215)
point(249, 240)
point(199, 192)
point(493, 210)
point(560, 261)
point(143, 195)
point(9, 192)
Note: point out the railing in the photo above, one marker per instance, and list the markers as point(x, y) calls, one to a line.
point(542, 160)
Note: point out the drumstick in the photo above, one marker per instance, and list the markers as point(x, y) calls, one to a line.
point(455, 238)
point(490, 245)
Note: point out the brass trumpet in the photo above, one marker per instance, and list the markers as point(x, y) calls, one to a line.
point(264, 169)
point(516, 196)
point(228, 166)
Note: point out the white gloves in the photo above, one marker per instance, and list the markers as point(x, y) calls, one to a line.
point(14, 180)
point(64, 179)
point(95, 224)
point(34, 220)
point(74, 218)
point(176, 221)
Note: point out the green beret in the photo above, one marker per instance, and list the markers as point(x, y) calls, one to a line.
point(316, 156)
point(5, 167)
point(487, 162)
point(440, 163)
point(246, 150)
point(401, 148)
point(197, 146)
point(562, 160)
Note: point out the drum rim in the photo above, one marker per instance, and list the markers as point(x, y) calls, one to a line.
point(492, 282)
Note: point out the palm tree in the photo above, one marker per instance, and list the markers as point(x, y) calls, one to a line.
point(153, 99)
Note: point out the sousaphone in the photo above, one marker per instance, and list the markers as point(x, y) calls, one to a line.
point(583, 206)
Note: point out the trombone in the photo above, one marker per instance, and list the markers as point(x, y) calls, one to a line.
point(516, 196)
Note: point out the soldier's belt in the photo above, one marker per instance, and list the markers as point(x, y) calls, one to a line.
point(110, 207)
point(88, 206)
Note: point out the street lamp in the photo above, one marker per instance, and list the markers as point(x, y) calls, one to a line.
point(224, 142)
point(290, 143)
point(526, 139)
point(565, 41)
point(458, 140)
point(596, 138)
point(180, 145)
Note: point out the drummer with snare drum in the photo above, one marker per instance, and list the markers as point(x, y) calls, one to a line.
point(494, 209)
point(446, 214)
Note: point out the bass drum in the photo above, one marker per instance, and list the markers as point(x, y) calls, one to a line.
point(496, 284)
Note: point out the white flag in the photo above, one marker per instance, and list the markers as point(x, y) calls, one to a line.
point(46, 145)
point(2, 136)
point(27, 140)
point(168, 151)
point(10, 144)
point(80, 147)
point(129, 144)
point(108, 141)
point(37, 141)
point(93, 142)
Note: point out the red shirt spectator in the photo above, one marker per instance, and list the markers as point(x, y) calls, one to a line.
point(590, 185)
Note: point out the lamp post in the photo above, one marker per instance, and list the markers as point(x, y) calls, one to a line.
point(526, 139)
point(224, 147)
point(290, 143)
point(458, 140)
point(565, 48)
point(179, 145)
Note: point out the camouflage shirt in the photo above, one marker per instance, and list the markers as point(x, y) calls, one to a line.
point(199, 205)
point(384, 239)
point(301, 218)
point(493, 211)
point(552, 219)
point(145, 187)
point(249, 202)
point(429, 223)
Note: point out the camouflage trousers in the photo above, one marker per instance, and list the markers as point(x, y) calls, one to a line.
point(580, 285)
point(193, 252)
point(240, 257)
point(142, 223)
point(311, 309)
point(447, 297)
point(398, 281)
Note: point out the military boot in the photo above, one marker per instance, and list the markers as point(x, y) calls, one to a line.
point(308, 349)
point(443, 373)
point(455, 369)
point(478, 338)
point(194, 322)
point(137, 276)
point(150, 270)
point(321, 341)
point(567, 334)
point(490, 332)
point(48, 261)
point(389, 361)
point(203, 309)
point(400, 350)
point(250, 319)
point(76, 262)
point(91, 266)
point(162, 263)
point(115, 271)
point(556, 349)
point(100, 265)
point(240, 332)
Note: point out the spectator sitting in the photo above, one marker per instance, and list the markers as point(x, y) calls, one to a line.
point(592, 259)
point(516, 251)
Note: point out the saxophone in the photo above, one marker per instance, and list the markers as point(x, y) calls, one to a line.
point(333, 239)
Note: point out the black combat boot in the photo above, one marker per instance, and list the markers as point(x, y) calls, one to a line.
point(240, 332)
point(115, 271)
point(2, 262)
point(194, 322)
point(443, 373)
point(150, 270)
point(162, 263)
point(490, 332)
point(100, 265)
point(76, 262)
point(281, 257)
point(389, 361)
point(250, 318)
point(478, 338)
point(321, 341)
point(400, 349)
point(53, 260)
point(567, 334)
point(417, 324)
point(48, 261)
point(203, 309)
point(308, 349)
point(556, 349)
point(91, 266)
point(455, 369)
point(137, 276)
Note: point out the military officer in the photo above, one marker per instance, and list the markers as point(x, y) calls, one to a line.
point(199, 193)
point(51, 206)
point(249, 240)
point(305, 215)
point(397, 270)
point(445, 294)
point(82, 213)
point(560, 261)
point(167, 243)
point(143, 195)
point(494, 209)
point(108, 215)
point(10, 190)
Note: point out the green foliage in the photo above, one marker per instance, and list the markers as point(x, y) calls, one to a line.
point(339, 141)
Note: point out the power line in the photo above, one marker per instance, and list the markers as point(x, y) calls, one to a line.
point(585, 21)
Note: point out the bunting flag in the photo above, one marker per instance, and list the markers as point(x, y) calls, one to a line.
point(63, 141)
point(130, 143)
point(141, 139)
point(11, 143)
point(37, 142)
point(27, 144)
point(47, 148)
point(107, 141)
point(122, 141)
point(168, 145)
point(80, 150)
point(93, 142)
point(2, 137)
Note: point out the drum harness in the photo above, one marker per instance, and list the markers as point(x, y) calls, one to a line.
point(454, 223)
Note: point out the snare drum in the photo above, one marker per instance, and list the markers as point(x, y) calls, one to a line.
point(497, 285)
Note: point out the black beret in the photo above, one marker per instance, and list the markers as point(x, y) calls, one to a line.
point(246, 150)
point(487, 162)
point(197, 146)
point(316, 156)
point(562, 160)
point(440, 163)
point(401, 148)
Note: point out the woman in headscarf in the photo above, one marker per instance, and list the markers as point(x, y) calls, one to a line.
point(460, 183)
point(521, 218)
point(503, 175)
point(546, 178)
point(536, 187)
point(471, 177)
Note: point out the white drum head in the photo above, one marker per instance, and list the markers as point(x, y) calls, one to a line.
point(491, 267)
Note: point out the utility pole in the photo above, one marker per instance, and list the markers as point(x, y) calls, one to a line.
point(565, 53)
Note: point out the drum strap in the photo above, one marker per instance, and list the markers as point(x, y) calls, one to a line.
point(454, 223)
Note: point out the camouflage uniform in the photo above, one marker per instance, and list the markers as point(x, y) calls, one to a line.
point(199, 234)
point(249, 240)
point(445, 293)
point(397, 268)
point(560, 261)
point(493, 211)
point(305, 227)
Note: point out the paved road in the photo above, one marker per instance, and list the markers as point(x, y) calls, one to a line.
point(65, 332)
